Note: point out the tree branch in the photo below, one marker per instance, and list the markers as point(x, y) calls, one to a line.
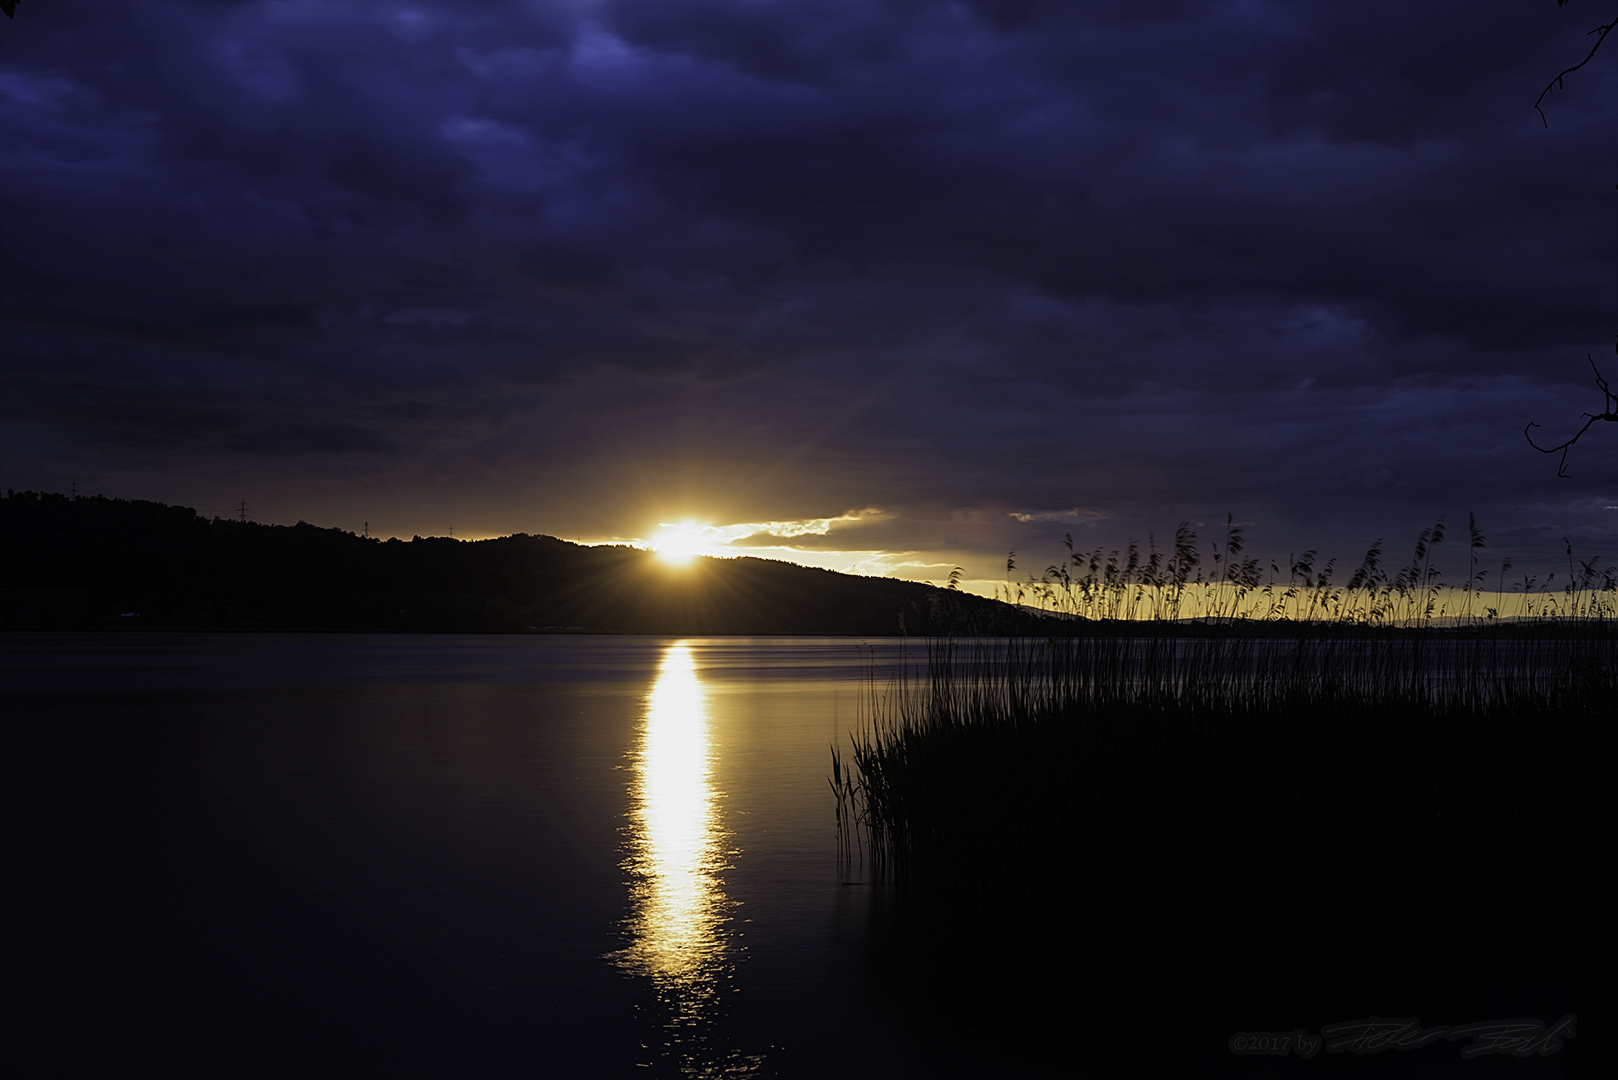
point(1611, 413)
point(1556, 83)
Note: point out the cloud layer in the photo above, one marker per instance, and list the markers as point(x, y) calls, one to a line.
point(998, 270)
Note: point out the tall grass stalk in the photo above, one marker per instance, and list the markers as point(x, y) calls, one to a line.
point(1198, 833)
point(1311, 803)
point(1132, 584)
point(1094, 699)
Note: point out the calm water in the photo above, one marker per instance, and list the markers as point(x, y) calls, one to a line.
point(568, 856)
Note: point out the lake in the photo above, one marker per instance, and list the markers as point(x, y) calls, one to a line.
point(444, 855)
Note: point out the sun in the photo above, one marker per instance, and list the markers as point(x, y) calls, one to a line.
point(677, 545)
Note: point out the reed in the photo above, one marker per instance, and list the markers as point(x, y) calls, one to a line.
point(1136, 794)
point(1066, 714)
point(1219, 584)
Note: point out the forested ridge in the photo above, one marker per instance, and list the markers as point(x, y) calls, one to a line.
point(91, 562)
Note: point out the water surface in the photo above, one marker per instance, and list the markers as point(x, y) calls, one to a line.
point(442, 855)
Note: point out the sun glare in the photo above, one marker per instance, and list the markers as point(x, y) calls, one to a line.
point(677, 545)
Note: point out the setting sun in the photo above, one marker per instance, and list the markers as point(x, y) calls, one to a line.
point(677, 545)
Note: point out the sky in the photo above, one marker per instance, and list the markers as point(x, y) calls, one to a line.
point(883, 287)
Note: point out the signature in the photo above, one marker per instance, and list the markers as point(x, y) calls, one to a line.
point(1374, 1034)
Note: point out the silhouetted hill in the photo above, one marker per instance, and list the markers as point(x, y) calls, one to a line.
point(100, 563)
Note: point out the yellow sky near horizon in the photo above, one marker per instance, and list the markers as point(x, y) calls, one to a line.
point(877, 543)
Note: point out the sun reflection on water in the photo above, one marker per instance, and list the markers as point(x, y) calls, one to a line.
point(677, 851)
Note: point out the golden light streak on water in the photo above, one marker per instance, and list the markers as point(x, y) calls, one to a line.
point(677, 851)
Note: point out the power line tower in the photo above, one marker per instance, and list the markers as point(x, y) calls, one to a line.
point(73, 488)
point(242, 511)
point(367, 532)
point(452, 532)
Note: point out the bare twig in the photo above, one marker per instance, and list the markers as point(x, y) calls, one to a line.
point(1611, 413)
point(1556, 83)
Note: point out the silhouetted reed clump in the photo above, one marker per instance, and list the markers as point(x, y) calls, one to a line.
point(1275, 829)
point(1222, 586)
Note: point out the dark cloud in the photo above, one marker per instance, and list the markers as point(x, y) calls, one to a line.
point(572, 267)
